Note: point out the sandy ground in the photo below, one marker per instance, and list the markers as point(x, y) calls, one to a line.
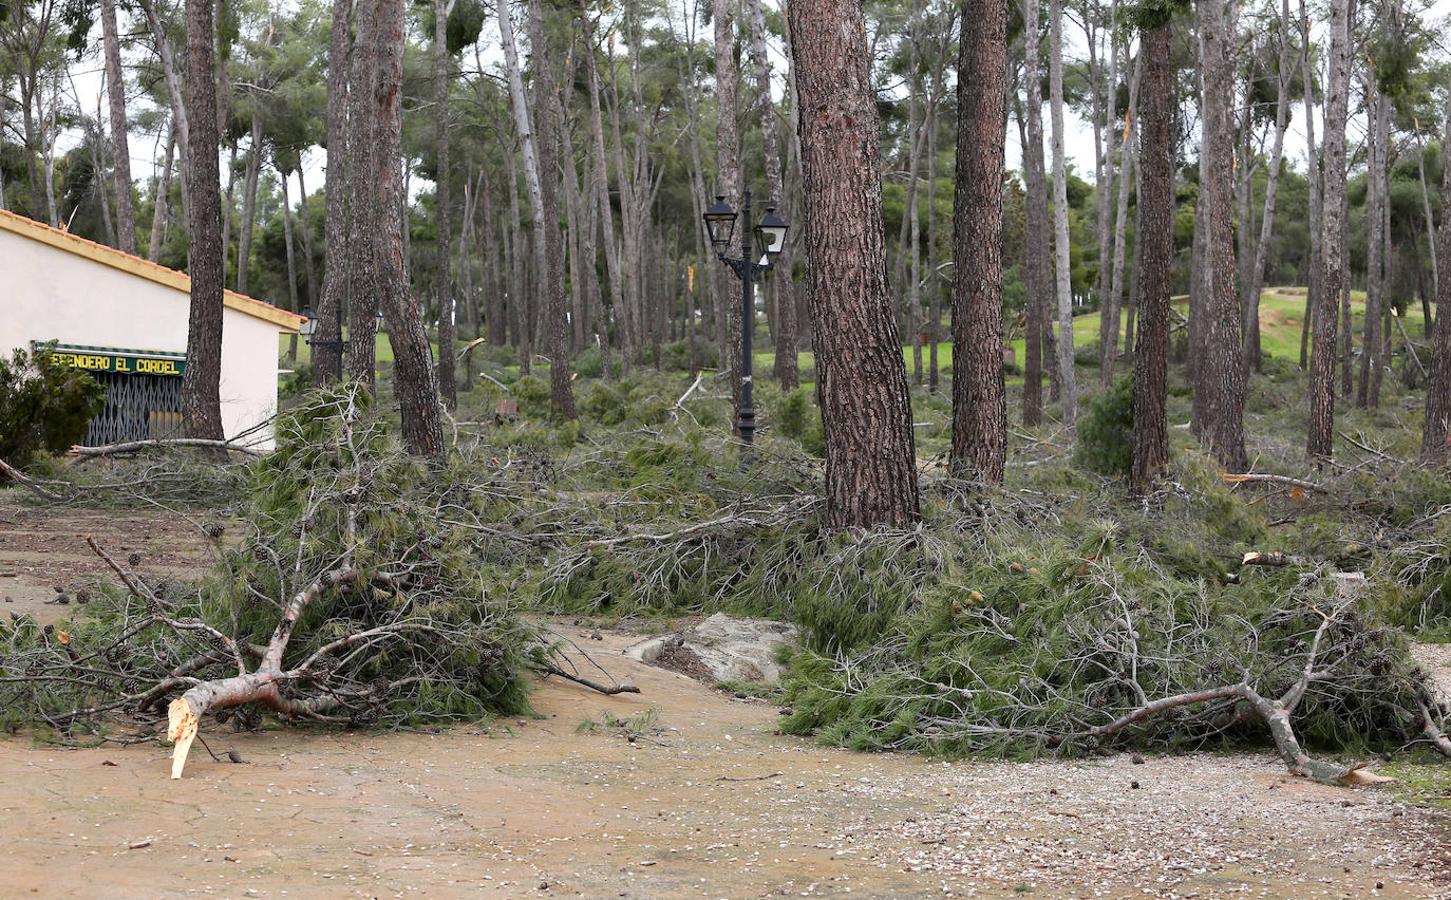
point(714, 804)
point(45, 563)
point(708, 803)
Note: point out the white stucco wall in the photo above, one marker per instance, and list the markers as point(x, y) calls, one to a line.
point(47, 293)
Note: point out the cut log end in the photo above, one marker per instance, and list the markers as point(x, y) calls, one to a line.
point(182, 724)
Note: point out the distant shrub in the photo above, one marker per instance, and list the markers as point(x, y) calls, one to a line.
point(44, 406)
point(1106, 431)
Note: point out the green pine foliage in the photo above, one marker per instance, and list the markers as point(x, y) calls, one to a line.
point(44, 407)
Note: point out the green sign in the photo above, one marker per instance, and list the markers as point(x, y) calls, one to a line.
point(119, 362)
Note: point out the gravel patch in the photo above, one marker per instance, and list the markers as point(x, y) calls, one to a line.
point(1189, 826)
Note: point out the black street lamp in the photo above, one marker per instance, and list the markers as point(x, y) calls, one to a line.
point(770, 238)
point(308, 329)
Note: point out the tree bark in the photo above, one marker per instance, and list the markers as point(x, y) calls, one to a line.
point(326, 361)
point(1068, 386)
point(160, 211)
point(728, 178)
point(1109, 310)
point(1035, 184)
point(443, 201)
point(1253, 356)
point(414, 378)
point(781, 285)
point(1374, 243)
point(871, 471)
point(120, 147)
point(364, 215)
point(1156, 240)
point(1320, 441)
point(1434, 447)
point(249, 204)
point(561, 388)
point(201, 383)
point(979, 403)
point(1312, 170)
point(1220, 375)
point(602, 186)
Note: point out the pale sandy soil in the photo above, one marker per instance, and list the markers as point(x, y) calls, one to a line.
point(714, 806)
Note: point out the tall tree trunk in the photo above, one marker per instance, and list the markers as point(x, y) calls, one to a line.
point(871, 466)
point(291, 263)
point(1434, 436)
point(1374, 243)
point(1253, 355)
point(326, 361)
point(1109, 310)
point(728, 178)
point(249, 204)
point(1312, 169)
point(1320, 441)
point(781, 285)
point(414, 379)
point(120, 148)
point(1069, 387)
point(447, 382)
point(561, 388)
point(602, 187)
point(160, 203)
point(1035, 183)
point(365, 216)
point(309, 274)
point(979, 403)
point(1220, 375)
point(201, 383)
point(1155, 240)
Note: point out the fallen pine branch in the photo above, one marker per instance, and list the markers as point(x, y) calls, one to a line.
point(160, 444)
point(26, 481)
point(1267, 478)
point(607, 690)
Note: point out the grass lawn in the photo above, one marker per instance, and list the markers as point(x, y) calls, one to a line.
point(1281, 312)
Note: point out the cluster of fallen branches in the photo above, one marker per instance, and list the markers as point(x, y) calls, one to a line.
point(354, 596)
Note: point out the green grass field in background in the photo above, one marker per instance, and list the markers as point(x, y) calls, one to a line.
point(1281, 312)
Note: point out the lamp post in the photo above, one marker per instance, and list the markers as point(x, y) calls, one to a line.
point(308, 330)
point(770, 238)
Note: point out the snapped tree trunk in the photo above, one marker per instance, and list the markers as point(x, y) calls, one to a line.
point(1320, 441)
point(1156, 242)
point(979, 404)
point(120, 148)
point(871, 467)
point(201, 382)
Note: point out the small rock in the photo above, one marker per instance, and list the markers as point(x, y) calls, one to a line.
point(133, 560)
point(1138, 759)
point(235, 757)
point(1134, 785)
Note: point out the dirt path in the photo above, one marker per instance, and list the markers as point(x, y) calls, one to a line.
point(44, 560)
point(715, 805)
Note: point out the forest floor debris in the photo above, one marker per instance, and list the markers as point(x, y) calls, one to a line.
point(532, 802)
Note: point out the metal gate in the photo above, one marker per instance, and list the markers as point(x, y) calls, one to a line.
point(138, 407)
